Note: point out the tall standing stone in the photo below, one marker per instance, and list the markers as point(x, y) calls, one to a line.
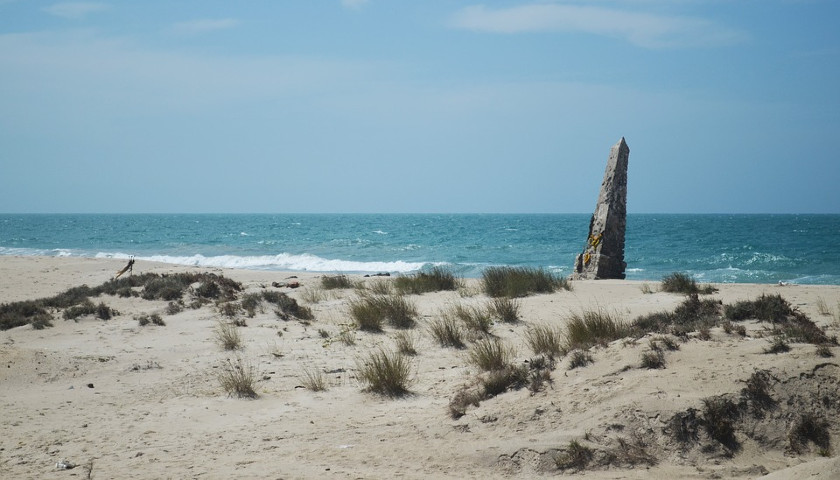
point(603, 255)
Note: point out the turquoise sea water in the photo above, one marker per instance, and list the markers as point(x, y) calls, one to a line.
point(713, 248)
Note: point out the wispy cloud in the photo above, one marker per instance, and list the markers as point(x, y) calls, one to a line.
point(75, 10)
point(204, 25)
point(648, 30)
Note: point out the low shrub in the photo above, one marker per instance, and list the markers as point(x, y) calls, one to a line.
point(576, 456)
point(101, 311)
point(173, 308)
point(579, 358)
point(653, 359)
point(251, 302)
point(719, 416)
point(757, 389)
point(287, 306)
point(778, 345)
point(21, 313)
point(809, 427)
point(154, 319)
point(385, 373)
point(823, 350)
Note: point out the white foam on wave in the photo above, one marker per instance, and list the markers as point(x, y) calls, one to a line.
point(285, 261)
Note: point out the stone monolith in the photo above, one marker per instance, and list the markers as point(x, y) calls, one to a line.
point(603, 255)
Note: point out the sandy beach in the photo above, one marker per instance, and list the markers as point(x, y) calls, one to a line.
point(115, 399)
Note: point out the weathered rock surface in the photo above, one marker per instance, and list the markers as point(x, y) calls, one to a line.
point(603, 255)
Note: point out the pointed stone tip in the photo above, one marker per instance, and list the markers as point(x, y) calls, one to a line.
point(622, 145)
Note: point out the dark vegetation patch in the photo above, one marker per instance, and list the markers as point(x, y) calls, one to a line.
point(785, 319)
point(436, 280)
point(516, 282)
point(370, 312)
point(336, 282)
point(682, 283)
point(76, 301)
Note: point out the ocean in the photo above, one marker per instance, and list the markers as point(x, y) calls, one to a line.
point(800, 249)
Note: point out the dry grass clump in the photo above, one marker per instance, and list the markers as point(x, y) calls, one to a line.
point(682, 283)
point(227, 335)
point(447, 331)
point(593, 327)
point(777, 345)
point(371, 311)
point(824, 351)
point(653, 359)
point(520, 281)
point(505, 309)
point(719, 416)
point(336, 282)
point(822, 307)
point(436, 280)
point(545, 340)
point(378, 287)
point(405, 343)
point(463, 399)
point(495, 382)
point(237, 377)
point(386, 373)
point(756, 391)
point(808, 427)
point(313, 295)
point(491, 354)
point(313, 379)
point(574, 457)
point(579, 358)
point(476, 319)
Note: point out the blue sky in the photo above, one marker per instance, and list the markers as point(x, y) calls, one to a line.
point(418, 106)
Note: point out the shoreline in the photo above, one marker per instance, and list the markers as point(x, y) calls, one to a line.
point(143, 401)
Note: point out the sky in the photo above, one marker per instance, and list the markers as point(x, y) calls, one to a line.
point(406, 106)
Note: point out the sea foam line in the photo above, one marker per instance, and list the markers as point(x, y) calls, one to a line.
point(285, 261)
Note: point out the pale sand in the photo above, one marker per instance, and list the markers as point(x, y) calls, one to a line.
point(156, 410)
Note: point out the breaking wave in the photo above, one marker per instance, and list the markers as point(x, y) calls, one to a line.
point(286, 261)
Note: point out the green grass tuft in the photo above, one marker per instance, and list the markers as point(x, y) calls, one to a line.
point(491, 354)
point(385, 373)
point(516, 282)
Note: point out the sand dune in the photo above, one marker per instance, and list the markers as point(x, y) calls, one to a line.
point(119, 400)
